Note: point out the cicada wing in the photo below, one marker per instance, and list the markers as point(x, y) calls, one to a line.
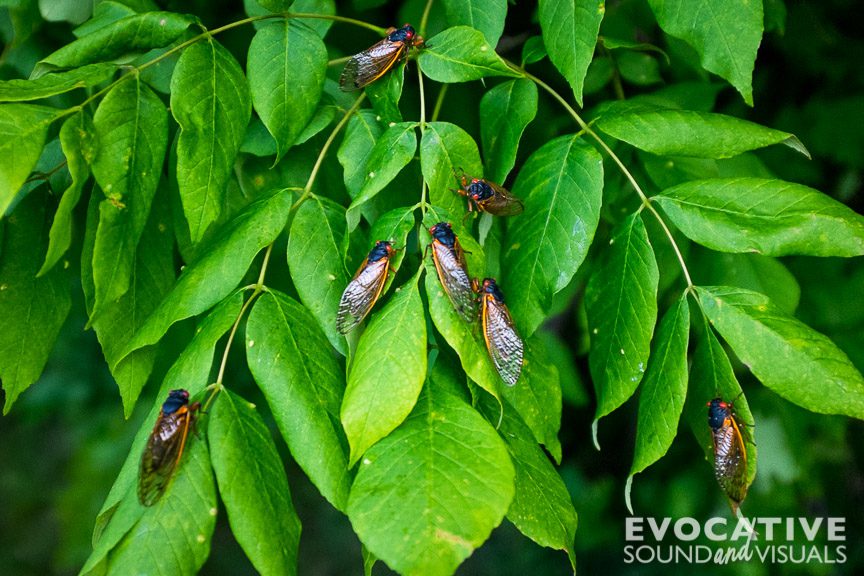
point(162, 454)
point(369, 65)
point(502, 202)
point(504, 344)
point(361, 293)
point(730, 461)
point(453, 274)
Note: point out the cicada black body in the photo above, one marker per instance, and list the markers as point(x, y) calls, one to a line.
point(365, 288)
point(730, 451)
point(367, 66)
point(452, 269)
point(165, 446)
point(489, 197)
point(503, 343)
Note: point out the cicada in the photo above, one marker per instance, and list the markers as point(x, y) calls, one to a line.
point(369, 65)
point(365, 288)
point(165, 446)
point(452, 269)
point(503, 343)
point(730, 451)
point(488, 197)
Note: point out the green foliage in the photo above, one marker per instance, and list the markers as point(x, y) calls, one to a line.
point(230, 213)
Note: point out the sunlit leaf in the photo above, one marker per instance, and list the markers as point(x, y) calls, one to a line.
point(621, 301)
point(487, 16)
point(785, 354)
point(445, 152)
point(570, 34)
point(771, 217)
point(53, 84)
point(303, 388)
point(286, 67)
point(460, 54)
point(210, 101)
point(461, 485)
point(505, 111)
point(387, 371)
point(23, 128)
point(561, 185)
point(253, 485)
point(210, 279)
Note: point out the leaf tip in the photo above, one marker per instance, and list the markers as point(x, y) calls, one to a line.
point(594, 434)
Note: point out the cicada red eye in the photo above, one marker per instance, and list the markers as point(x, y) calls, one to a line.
point(452, 269)
point(730, 451)
point(367, 66)
point(489, 197)
point(503, 343)
point(165, 446)
point(365, 288)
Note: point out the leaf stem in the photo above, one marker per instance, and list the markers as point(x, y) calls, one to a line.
point(439, 102)
point(425, 18)
point(646, 202)
point(307, 190)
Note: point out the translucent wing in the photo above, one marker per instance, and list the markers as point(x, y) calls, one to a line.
point(453, 274)
point(369, 65)
point(162, 454)
point(502, 341)
point(361, 293)
point(501, 203)
point(730, 461)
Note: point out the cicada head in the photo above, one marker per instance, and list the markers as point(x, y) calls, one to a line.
point(718, 412)
point(176, 400)
point(382, 249)
point(443, 232)
point(404, 34)
point(489, 286)
point(479, 190)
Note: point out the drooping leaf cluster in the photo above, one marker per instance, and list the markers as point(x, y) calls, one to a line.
point(179, 177)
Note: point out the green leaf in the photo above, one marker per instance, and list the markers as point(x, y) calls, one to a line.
point(487, 16)
point(446, 149)
point(315, 262)
point(671, 132)
point(460, 54)
point(711, 376)
point(387, 371)
point(385, 94)
point(286, 65)
point(621, 302)
point(751, 271)
point(785, 354)
point(276, 6)
point(537, 396)
point(210, 101)
point(362, 133)
point(541, 509)
point(433, 490)
point(761, 215)
point(131, 118)
point(303, 387)
point(726, 35)
point(152, 275)
point(23, 128)
point(253, 486)
point(77, 139)
point(183, 520)
point(191, 371)
point(505, 111)
point(392, 152)
point(33, 309)
point(394, 226)
point(322, 7)
point(533, 50)
point(570, 34)
point(562, 187)
point(464, 338)
point(53, 84)
point(121, 39)
point(664, 389)
point(210, 279)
